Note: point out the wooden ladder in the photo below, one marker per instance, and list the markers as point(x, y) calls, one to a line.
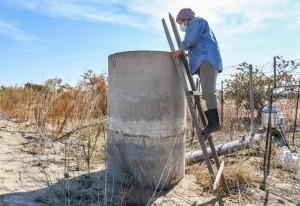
point(183, 72)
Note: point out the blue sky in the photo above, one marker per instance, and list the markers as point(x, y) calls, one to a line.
point(43, 39)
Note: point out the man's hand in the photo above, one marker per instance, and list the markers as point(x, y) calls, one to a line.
point(175, 54)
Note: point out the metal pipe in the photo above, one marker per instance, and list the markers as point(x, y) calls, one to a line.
point(198, 155)
point(251, 98)
point(295, 121)
point(275, 78)
point(292, 85)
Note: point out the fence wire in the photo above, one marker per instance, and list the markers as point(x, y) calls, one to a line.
point(241, 102)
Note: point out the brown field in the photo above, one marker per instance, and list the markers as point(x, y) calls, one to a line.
point(54, 140)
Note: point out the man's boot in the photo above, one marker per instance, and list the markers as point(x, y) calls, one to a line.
point(213, 121)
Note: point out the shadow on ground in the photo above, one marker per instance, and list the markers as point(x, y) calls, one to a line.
point(96, 188)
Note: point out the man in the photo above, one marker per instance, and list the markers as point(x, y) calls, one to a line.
point(204, 60)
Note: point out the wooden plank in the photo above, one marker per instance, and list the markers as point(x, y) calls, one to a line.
point(217, 161)
point(175, 30)
point(186, 67)
point(190, 105)
point(218, 176)
point(196, 93)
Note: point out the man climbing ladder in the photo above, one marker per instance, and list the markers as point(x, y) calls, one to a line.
point(183, 70)
point(204, 60)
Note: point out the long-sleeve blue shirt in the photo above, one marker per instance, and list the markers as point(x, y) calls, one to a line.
point(201, 44)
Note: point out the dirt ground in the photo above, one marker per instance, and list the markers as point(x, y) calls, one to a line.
point(33, 172)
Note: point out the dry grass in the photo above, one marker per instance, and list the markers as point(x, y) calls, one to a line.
point(239, 176)
point(16, 102)
point(60, 112)
point(56, 108)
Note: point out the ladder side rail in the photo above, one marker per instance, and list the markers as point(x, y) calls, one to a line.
point(186, 67)
point(190, 105)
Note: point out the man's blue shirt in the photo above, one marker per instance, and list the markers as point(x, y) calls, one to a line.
point(201, 44)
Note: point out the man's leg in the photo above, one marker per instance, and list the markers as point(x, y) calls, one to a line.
point(208, 77)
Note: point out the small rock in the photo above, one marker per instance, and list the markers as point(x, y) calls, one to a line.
point(67, 175)
point(39, 199)
point(281, 201)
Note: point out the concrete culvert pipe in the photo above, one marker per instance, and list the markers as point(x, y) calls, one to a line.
point(146, 119)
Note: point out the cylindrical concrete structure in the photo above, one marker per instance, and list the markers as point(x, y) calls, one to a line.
point(146, 119)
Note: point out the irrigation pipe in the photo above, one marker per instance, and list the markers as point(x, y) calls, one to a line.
point(285, 158)
point(197, 156)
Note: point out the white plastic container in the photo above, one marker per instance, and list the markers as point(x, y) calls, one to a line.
point(265, 116)
point(281, 120)
point(288, 160)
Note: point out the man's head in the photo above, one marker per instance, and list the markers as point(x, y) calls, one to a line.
point(184, 17)
point(185, 14)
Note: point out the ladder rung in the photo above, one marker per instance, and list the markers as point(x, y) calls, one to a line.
point(217, 180)
point(195, 93)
